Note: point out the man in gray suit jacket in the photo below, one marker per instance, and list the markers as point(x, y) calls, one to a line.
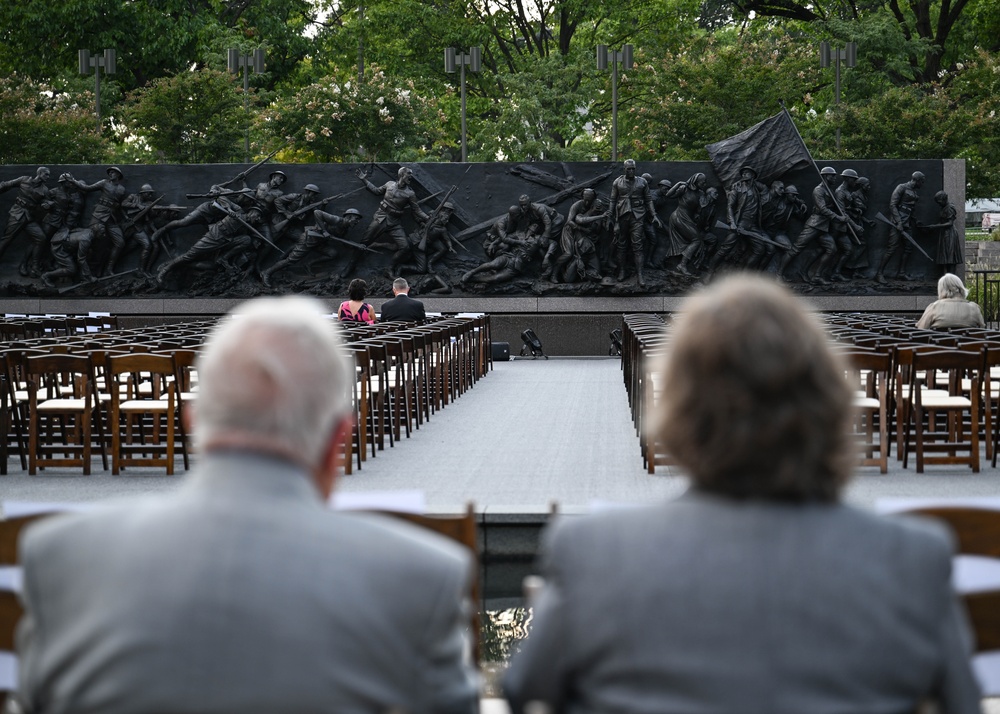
point(243, 592)
point(757, 591)
point(402, 307)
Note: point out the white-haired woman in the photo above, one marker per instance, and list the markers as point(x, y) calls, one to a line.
point(951, 309)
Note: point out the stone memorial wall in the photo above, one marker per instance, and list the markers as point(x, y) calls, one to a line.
point(517, 238)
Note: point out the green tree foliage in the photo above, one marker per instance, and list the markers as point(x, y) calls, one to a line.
point(153, 38)
point(976, 88)
point(939, 31)
point(541, 114)
point(192, 117)
point(343, 119)
point(41, 124)
point(925, 84)
point(956, 118)
point(714, 88)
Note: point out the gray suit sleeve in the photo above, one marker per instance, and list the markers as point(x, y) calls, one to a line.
point(451, 683)
point(541, 670)
point(28, 637)
point(958, 691)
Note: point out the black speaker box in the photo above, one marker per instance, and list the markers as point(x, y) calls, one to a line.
point(501, 351)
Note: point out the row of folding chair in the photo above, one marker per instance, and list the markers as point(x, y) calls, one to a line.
point(54, 325)
point(644, 338)
point(406, 373)
point(935, 395)
point(59, 404)
point(944, 388)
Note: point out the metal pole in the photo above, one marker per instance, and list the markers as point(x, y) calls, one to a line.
point(614, 106)
point(246, 106)
point(465, 148)
point(97, 90)
point(361, 41)
point(836, 94)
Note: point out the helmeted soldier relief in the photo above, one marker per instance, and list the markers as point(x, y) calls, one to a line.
point(745, 200)
point(26, 215)
point(105, 221)
point(398, 199)
point(817, 228)
point(228, 238)
point(316, 239)
point(68, 243)
point(846, 233)
point(783, 205)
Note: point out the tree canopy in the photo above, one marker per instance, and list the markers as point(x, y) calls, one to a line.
point(362, 81)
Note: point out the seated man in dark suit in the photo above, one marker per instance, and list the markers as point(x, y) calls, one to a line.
point(758, 590)
point(402, 308)
point(242, 591)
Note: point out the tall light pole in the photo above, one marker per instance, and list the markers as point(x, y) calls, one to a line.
point(254, 61)
point(623, 57)
point(109, 61)
point(849, 55)
point(474, 60)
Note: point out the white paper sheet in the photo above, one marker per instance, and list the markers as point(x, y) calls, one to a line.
point(411, 501)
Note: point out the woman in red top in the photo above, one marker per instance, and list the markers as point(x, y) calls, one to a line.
point(356, 309)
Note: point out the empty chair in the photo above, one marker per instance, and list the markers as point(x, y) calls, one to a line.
point(61, 412)
point(143, 411)
point(871, 373)
point(956, 441)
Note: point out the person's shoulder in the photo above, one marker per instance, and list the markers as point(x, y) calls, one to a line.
point(407, 542)
point(73, 529)
point(913, 534)
point(585, 533)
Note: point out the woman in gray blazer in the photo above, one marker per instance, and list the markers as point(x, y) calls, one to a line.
point(758, 590)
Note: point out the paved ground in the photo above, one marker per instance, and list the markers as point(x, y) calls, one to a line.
point(531, 433)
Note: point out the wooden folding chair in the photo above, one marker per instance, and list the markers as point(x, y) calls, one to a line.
point(61, 412)
point(870, 373)
point(143, 411)
point(928, 405)
point(977, 531)
point(186, 392)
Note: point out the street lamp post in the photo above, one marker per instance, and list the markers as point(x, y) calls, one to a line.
point(109, 61)
point(254, 61)
point(623, 57)
point(849, 55)
point(474, 60)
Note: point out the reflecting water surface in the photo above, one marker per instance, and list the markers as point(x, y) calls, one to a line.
point(502, 630)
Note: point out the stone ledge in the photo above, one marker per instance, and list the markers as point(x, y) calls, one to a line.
point(196, 307)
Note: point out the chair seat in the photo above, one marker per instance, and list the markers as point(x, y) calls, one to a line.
point(62, 404)
point(934, 401)
point(866, 403)
point(144, 405)
point(924, 391)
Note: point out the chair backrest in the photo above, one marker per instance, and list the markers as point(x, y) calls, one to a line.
point(54, 372)
point(977, 531)
point(142, 367)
